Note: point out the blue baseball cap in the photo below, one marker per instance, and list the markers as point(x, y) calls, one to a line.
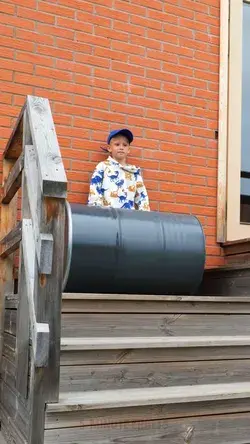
point(124, 132)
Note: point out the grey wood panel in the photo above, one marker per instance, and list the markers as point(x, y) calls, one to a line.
point(152, 355)
point(215, 429)
point(153, 324)
point(57, 420)
point(123, 376)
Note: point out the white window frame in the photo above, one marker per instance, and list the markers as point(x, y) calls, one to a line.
point(229, 227)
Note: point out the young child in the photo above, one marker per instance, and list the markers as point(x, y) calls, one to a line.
point(115, 183)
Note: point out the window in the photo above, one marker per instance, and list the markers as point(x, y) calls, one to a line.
point(234, 148)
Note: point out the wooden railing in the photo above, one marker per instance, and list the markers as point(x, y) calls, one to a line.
point(32, 163)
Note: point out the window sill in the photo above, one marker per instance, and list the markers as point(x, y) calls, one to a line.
point(232, 248)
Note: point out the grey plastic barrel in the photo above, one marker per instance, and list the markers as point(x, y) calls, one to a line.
point(123, 251)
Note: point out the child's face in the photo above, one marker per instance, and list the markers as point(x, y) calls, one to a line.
point(119, 148)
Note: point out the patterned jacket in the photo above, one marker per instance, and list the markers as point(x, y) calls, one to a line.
point(117, 186)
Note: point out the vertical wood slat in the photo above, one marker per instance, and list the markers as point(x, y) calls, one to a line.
point(23, 323)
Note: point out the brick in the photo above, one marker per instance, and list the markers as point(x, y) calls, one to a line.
point(17, 44)
point(120, 66)
point(146, 82)
point(6, 30)
point(17, 66)
point(109, 95)
point(175, 147)
point(27, 79)
point(77, 4)
point(185, 169)
point(91, 102)
point(56, 96)
point(149, 123)
point(193, 180)
point(88, 59)
point(161, 75)
point(53, 73)
point(145, 61)
point(36, 15)
point(192, 121)
point(7, 8)
point(17, 21)
point(128, 48)
point(55, 9)
point(163, 36)
point(161, 55)
point(6, 75)
point(86, 17)
point(175, 208)
point(168, 17)
point(109, 116)
point(187, 52)
point(145, 42)
point(55, 31)
point(195, 6)
point(34, 59)
point(127, 109)
point(156, 94)
point(109, 74)
point(55, 52)
point(34, 37)
point(7, 53)
point(194, 25)
point(178, 30)
point(175, 187)
point(92, 39)
point(130, 8)
point(111, 54)
point(112, 13)
point(5, 98)
point(27, 3)
point(146, 23)
point(109, 34)
point(161, 115)
point(180, 12)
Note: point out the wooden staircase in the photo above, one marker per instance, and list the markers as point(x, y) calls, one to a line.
point(104, 369)
point(151, 369)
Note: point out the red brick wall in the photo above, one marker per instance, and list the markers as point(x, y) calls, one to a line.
point(112, 63)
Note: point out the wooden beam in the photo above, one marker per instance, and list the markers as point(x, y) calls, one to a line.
point(14, 145)
point(14, 180)
point(10, 242)
point(39, 331)
point(51, 170)
point(43, 241)
point(223, 123)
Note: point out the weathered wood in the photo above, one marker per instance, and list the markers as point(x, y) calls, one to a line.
point(150, 306)
point(83, 418)
point(228, 281)
point(13, 181)
point(206, 430)
point(9, 347)
point(14, 145)
point(10, 322)
point(8, 372)
point(104, 297)
point(50, 290)
point(11, 241)
point(149, 396)
point(151, 342)
point(82, 378)
point(43, 241)
point(11, 300)
point(51, 170)
point(39, 331)
point(15, 409)
point(153, 355)
point(110, 325)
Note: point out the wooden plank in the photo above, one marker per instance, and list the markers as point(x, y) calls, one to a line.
point(51, 170)
point(110, 325)
point(39, 331)
point(83, 378)
point(230, 281)
point(50, 290)
point(8, 221)
point(151, 342)
point(2, 440)
point(9, 347)
point(149, 396)
point(153, 355)
point(222, 429)
point(13, 181)
point(11, 241)
point(43, 241)
point(223, 123)
point(10, 322)
point(83, 418)
point(15, 409)
point(11, 301)
point(127, 306)
point(8, 372)
point(13, 148)
point(158, 298)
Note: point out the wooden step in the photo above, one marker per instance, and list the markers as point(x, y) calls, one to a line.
point(110, 399)
point(126, 303)
point(151, 342)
